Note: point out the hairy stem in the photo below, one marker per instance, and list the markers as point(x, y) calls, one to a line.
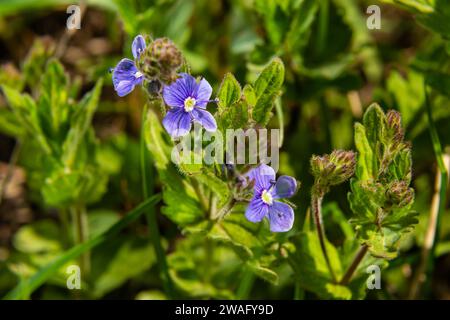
point(354, 265)
point(152, 220)
point(316, 206)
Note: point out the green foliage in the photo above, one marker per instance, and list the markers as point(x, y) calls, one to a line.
point(267, 88)
point(66, 169)
point(311, 270)
point(381, 199)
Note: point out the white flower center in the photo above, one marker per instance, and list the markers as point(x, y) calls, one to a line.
point(267, 197)
point(189, 104)
point(138, 74)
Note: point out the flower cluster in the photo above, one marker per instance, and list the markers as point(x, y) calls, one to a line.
point(185, 97)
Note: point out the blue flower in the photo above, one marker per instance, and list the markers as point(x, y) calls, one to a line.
point(126, 75)
point(187, 99)
point(264, 204)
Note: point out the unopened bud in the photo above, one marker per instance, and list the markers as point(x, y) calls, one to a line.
point(335, 168)
point(394, 123)
point(161, 60)
point(400, 194)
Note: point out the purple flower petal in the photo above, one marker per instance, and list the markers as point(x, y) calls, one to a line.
point(138, 46)
point(177, 122)
point(205, 119)
point(125, 77)
point(281, 217)
point(285, 187)
point(263, 176)
point(175, 94)
point(256, 210)
point(189, 85)
point(203, 93)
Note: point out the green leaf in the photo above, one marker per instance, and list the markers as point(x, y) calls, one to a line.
point(249, 96)
point(80, 124)
point(235, 117)
point(229, 92)
point(139, 256)
point(54, 89)
point(374, 122)
point(367, 167)
point(311, 270)
point(267, 88)
point(39, 237)
point(264, 273)
point(155, 140)
point(182, 205)
point(27, 286)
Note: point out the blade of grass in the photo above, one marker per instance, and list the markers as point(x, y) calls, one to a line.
point(426, 265)
point(26, 287)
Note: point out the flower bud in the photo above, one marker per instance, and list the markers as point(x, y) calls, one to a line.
point(399, 194)
point(335, 168)
point(394, 123)
point(161, 60)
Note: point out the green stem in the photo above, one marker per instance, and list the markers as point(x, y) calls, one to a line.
point(246, 284)
point(316, 208)
point(299, 293)
point(323, 27)
point(64, 217)
point(79, 218)
point(152, 220)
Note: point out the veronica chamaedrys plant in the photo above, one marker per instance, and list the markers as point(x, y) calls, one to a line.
point(187, 100)
point(264, 204)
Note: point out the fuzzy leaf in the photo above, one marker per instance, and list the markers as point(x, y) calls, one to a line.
point(311, 269)
point(229, 92)
point(267, 88)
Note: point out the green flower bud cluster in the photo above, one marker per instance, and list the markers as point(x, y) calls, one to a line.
point(161, 60)
point(399, 194)
point(332, 169)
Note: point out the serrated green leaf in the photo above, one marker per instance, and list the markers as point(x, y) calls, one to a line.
point(229, 92)
point(267, 87)
point(249, 96)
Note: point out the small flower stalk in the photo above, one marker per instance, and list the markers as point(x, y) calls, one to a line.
point(328, 170)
